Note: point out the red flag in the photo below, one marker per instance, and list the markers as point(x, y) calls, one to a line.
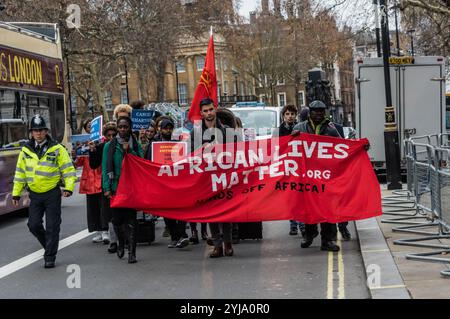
point(207, 86)
point(309, 178)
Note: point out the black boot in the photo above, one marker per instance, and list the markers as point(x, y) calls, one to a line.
point(194, 239)
point(120, 241)
point(132, 243)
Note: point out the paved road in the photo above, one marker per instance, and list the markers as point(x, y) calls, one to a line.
point(275, 267)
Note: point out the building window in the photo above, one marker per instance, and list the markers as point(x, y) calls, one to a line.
point(225, 64)
point(225, 87)
point(262, 98)
point(260, 81)
point(123, 96)
point(250, 88)
point(301, 98)
point(108, 100)
point(281, 99)
point(182, 93)
point(181, 67)
point(200, 63)
point(242, 91)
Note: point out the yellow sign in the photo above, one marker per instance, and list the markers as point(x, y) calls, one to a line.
point(401, 60)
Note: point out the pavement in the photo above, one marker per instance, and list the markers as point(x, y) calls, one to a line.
point(390, 274)
point(272, 268)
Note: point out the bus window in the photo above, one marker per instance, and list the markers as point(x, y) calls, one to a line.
point(14, 133)
point(59, 120)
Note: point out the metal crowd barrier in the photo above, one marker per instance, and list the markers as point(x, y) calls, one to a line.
point(428, 187)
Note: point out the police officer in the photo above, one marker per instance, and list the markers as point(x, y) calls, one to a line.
point(318, 124)
point(41, 164)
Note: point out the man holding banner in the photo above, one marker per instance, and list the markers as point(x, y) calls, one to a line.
point(212, 131)
point(319, 125)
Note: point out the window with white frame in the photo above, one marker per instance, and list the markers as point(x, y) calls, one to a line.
point(281, 99)
point(123, 96)
point(108, 100)
point(200, 63)
point(181, 67)
point(182, 93)
point(301, 98)
point(225, 87)
point(260, 81)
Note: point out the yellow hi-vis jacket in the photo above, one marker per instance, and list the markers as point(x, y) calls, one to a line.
point(44, 174)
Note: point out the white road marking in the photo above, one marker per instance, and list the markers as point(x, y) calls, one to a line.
point(33, 257)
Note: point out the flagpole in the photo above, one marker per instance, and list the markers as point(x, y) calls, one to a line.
point(211, 31)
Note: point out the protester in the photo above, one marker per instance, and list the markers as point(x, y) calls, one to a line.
point(41, 165)
point(95, 162)
point(87, 126)
point(122, 110)
point(147, 135)
point(124, 219)
point(137, 105)
point(319, 125)
point(289, 114)
point(91, 185)
point(177, 228)
point(222, 244)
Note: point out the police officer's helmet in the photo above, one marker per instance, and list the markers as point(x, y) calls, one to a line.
point(37, 122)
point(317, 105)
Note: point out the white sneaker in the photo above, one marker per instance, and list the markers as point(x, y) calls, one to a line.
point(97, 238)
point(105, 237)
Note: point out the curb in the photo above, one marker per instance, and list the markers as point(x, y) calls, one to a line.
point(383, 277)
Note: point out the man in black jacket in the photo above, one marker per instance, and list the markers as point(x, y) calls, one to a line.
point(318, 124)
point(212, 131)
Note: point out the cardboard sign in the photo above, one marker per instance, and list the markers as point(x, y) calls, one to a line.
point(141, 119)
point(168, 152)
point(96, 128)
point(80, 144)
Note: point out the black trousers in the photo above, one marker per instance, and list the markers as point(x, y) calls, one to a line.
point(177, 229)
point(123, 216)
point(327, 231)
point(203, 227)
point(48, 203)
point(95, 214)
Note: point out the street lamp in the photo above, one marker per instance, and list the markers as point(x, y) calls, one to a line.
point(126, 78)
point(391, 140)
point(176, 78)
point(411, 35)
point(65, 43)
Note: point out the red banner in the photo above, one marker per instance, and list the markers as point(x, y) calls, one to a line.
point(308, 178)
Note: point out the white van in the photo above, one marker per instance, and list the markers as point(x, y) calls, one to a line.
point(264, 120)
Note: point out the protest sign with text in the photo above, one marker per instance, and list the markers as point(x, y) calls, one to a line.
point(166, 152)
point(96, 128)
point(308, 178)
point(141, 119)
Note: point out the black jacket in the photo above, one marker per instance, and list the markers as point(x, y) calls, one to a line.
point(327, 128)
point(200, 132)
point(95, 157)
point(285, 129)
